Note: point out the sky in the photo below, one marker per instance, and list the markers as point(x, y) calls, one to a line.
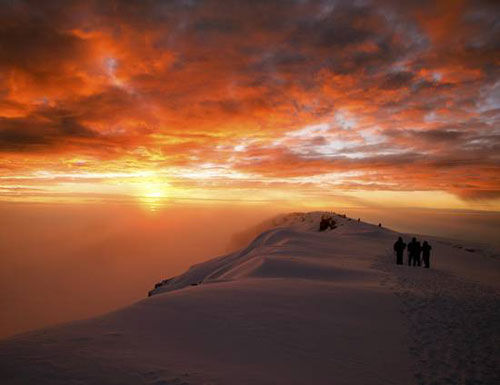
point(347, 103)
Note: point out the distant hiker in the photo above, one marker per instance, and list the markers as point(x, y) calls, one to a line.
point(327, 223)
point(359, 219)
point(380, 225)
point(323, 224)
point(399, 248)
point(414, 250)
point(426, 254)
point(411, 253)
point(418, 251)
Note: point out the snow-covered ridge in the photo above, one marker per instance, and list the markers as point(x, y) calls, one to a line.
point(280, 251)
point(285, 232)
point(296, 306)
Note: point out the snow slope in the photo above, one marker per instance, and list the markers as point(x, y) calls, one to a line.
point(295, 306)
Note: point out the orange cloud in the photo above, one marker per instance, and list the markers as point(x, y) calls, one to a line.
point(393, 96)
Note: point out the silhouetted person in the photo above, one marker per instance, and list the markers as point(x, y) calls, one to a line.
point(426, 254)
point(418, 251)
point(327, 223)
point(323, 224)
point(380, 225)
point(414, 250)
point(399, 248)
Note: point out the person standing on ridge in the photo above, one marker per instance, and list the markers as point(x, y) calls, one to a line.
point(418, 251)
point(426, 254)
point(399, 248)
point(414, 252)
point(410, 252)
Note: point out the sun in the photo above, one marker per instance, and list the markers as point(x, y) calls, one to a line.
point(154, 190)
point(153, 193)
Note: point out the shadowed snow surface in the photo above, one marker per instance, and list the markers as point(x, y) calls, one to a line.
point(294, 307)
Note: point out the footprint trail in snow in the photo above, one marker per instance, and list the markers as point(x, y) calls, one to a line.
point(454, 325)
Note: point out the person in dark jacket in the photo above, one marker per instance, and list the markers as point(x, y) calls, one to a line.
point(417, 253)
point(323, 225)
point(416, 258)
point(414, 250)
point(399, 248)
point(426, 254)
point(410, 254)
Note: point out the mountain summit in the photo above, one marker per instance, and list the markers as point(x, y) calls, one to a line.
point(296, 306)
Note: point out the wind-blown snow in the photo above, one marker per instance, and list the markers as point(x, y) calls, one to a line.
point(296, 306)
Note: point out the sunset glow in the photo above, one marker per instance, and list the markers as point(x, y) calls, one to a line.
point(314, 102)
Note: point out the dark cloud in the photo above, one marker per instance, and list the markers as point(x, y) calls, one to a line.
point(36, 46)
point(397, 80)
point(41, 130)
point(439, 135)
point(337, 28)
point(216, 25)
